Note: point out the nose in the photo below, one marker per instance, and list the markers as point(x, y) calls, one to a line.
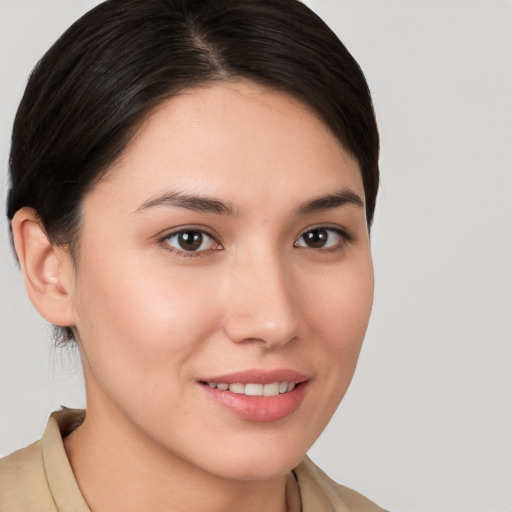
point(262, 306)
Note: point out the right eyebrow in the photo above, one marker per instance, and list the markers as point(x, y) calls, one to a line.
point(193, 202)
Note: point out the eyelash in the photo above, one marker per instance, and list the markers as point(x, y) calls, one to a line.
point(182, 252)
point(344, 239)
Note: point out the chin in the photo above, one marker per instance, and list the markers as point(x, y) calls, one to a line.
point(260, 470)
point(262, 461)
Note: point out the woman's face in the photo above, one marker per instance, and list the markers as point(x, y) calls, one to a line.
point(228, 246)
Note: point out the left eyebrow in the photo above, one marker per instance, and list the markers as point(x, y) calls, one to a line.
point(328, 202)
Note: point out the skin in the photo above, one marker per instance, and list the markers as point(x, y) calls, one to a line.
point(152, 319)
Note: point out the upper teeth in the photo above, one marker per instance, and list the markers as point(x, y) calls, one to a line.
point(272, 389)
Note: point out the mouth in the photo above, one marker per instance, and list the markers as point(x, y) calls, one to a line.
point(253, 388)
point(258, 396)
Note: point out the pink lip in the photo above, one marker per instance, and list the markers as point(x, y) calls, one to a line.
point(259, 377)
point(260, 409)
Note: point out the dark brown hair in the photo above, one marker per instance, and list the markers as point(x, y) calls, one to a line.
point(91, 90)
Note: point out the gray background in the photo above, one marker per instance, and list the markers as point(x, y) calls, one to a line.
point(427, 423)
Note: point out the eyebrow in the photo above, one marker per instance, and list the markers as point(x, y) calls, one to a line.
point(331, 201)
point(207, 204)
point(190, 202)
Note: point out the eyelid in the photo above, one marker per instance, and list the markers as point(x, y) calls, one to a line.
point(168, 232)
point(346, 233)
point(345, 237)
point(163, 239)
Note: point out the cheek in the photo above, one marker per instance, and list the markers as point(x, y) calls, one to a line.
point(141, 318)
point(338, 306)
point(335, 305)
point(340, 301)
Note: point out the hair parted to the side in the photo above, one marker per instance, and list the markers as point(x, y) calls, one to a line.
point(89, 93)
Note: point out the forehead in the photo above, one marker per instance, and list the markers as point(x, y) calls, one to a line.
point(236, 140)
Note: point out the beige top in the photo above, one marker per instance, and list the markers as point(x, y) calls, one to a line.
point(39, 478)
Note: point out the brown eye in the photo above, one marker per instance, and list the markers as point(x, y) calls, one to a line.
point(315, 238)
point(190, 240)
point(319, 238)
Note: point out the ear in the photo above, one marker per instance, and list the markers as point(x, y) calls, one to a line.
point(47, 269)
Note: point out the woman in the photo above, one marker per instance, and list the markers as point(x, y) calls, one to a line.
point(192, 186)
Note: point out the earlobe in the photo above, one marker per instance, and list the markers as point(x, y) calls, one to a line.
point(47, 269)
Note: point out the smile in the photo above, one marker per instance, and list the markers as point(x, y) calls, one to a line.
point(257, 395)
point(254, 389)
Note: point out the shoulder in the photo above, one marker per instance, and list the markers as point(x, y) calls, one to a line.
point(39, 478)
point(23, 481)
point(321, 493)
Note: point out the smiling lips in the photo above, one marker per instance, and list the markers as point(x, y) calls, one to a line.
point(258, 396)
